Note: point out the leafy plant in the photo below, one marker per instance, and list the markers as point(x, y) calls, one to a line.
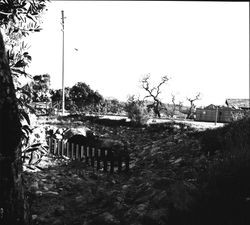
point(33, 154)
point(230, 138)
point(136, 110)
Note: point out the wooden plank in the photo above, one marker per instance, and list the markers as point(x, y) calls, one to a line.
point(55, 146)
point(98, 159)
point(82, 152)
point(50, 145)
point(63, 148)
point(87, 155)
point(59, 147)
point(72, 151)
point(77, 152)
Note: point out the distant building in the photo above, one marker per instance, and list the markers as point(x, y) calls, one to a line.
point(234, 109)
point(238, 103)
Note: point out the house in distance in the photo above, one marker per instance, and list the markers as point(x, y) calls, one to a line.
point(234, 109)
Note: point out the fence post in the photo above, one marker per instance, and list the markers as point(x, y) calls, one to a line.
point(67, 153)
point(55, 146)
point(72, 151)
point(59, 147)
point(98, 158)
point(105, 164)
point(82, 152)
point(87, 155)
point(63, 147)
point(50, 145)
point(77, 151)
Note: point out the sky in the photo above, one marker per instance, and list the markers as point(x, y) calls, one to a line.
point(110, 45)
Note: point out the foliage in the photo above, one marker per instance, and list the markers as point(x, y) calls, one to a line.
point(82, 95)
point(40, 88)
point(238, 115)
point(34, 145)
point(18, 18)
point(56, 94)
point(136, 110)
point(230, 138)
point(112, 106)
point(33, 154)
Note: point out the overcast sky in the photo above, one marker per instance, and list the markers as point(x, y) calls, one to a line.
point(111, 45)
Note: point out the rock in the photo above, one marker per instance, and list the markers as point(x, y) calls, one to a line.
point(45, 188)
point(125, 187)
point(39, 193)
point(142, 207)
point(34, 217)
point(106, 218)
point(53, 193)
point(79, 198)
point(169, 144)
point(177, 160)
point(180, 141)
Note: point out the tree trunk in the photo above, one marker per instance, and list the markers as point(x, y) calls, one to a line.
point(12, 201)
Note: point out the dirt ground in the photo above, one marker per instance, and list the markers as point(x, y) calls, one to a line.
point(165, 160)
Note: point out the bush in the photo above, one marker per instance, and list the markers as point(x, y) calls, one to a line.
point(233, 137)
point(136, 111)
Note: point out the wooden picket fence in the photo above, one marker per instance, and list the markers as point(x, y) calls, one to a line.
point(98, 158)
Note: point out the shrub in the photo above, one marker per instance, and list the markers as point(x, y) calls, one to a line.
point(234, 136)
point(136, 111)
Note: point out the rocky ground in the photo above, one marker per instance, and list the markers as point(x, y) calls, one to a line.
point(165, 162)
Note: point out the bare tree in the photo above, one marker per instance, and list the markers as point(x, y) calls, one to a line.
point(192, 105)
point(154, 92)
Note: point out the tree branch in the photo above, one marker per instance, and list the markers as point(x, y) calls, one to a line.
point(4, 13)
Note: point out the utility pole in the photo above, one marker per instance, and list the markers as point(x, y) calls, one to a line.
point(63, 93)
point(216, 115)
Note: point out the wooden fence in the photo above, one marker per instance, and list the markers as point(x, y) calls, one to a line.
point(105, 159)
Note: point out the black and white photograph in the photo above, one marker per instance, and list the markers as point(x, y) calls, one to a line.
point(124, 112)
